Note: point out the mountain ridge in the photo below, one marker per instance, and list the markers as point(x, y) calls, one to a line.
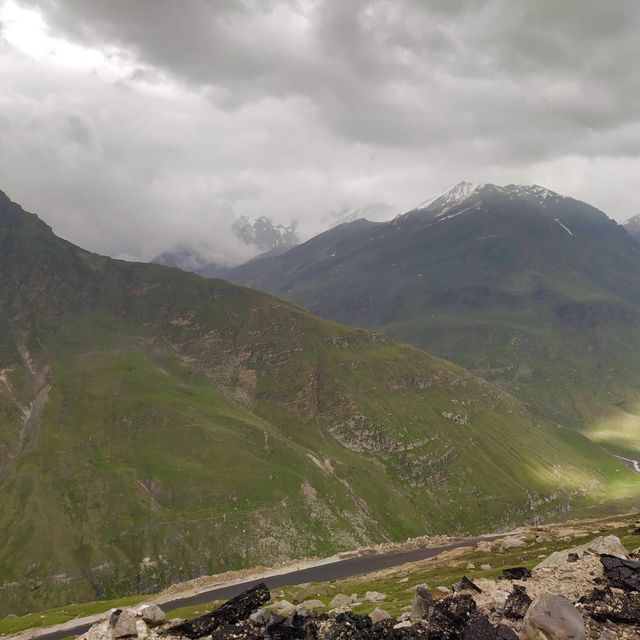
point(156, 425)
point(498, 279)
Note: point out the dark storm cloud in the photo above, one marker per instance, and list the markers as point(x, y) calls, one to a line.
point(296, 108)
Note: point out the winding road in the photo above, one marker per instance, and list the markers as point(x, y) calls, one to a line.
point(332, 570)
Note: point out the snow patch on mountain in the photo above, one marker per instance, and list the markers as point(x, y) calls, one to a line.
point(564, 227)
point(448, 198)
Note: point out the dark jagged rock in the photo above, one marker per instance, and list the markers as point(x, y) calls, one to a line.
point(450, 616)
point(624, 574)
point(480, 628)
point(517, 603)
point(234, 610)
point(466, 585)
point(573, 557)
point(281, 631)
point(621, 608)
point(516, 573)
point(505, 633)
point(384, 630)
point(238, 631)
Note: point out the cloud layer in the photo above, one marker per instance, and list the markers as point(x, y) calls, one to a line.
point(133, 126)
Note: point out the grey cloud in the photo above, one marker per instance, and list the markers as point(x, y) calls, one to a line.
point(293, 109)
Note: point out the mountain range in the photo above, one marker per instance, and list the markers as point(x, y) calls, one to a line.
point(534, 291)
point(156, 425)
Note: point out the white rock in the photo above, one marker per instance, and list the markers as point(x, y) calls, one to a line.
point(152, 614)
point(374, 596)
point(484, 546)
point(123, 623)
point(511, 542)
point(403, 625)
point(610, 545)
point(341, 600)
point(485, 567)
point(142, 630)
point(282, 608)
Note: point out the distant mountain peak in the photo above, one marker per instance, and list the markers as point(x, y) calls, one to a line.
point(459, 192)
point(464, 190)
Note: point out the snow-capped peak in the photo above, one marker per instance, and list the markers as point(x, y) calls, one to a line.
point(448, 198)
point(442, 203)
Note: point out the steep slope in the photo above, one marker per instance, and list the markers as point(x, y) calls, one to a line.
point(533, 290)
point(632, 226)
point(156, 425)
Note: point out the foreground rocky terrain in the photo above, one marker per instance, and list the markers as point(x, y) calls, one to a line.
point(587, 591)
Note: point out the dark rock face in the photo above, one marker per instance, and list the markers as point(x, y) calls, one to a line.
point(236, 609)
point(624, 574)
point(466, 585)
point(517, 603)
point(455, 617)
point(604, 605)
point(516, 573)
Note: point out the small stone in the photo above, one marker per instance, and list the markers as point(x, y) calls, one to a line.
point(484, 546)
point(378, 614)
point(553, 618)
point(516, 573)
point(443, 591)
point(485, 567)
point(340, 601)
point(466, 585)
point(374, 596)
point(471, 566)
point(403, 625)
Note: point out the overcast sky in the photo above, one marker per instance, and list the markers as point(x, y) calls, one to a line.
point(132, 126)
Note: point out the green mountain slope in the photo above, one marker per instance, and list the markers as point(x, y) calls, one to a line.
point(156, 425)
point(537, 292)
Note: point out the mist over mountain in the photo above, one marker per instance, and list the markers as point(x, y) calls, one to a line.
point(534, 290)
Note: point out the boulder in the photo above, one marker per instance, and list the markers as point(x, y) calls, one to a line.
point(152, 614)
point(608, 545)
point(621, 573)
point(605, 605)
point(553, 618)
point(232, 611)
point(123, 623)
point(443, 591)
point(517, 603)
point(282, 608)
point(511, 542)
point(449, 616)
point(309, 608)
point(378, 614)
point(422, 602)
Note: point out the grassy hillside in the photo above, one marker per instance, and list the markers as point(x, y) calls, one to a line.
point(155, 425)
point(536, 292)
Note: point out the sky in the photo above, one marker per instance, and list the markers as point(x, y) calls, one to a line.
point(137, 126)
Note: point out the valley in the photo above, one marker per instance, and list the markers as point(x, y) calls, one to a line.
point(157, 426)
